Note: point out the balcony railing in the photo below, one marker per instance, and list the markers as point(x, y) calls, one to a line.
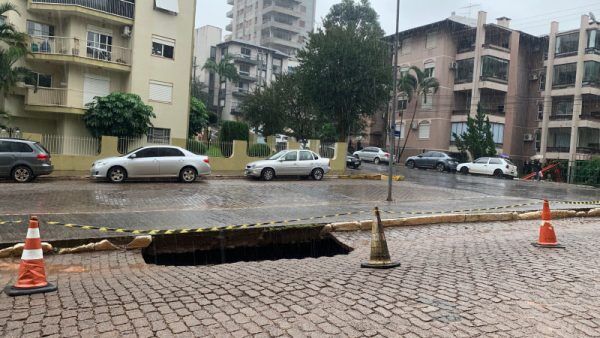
point(561, 117)
point(72, 46)
point(121, 8)
point(557, 149)
point(595, 115)
point(460, 112)
point(47, 97)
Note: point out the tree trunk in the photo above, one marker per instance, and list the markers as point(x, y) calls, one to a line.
point(416, 104)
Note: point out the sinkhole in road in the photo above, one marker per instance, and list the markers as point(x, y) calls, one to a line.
point(247, 245)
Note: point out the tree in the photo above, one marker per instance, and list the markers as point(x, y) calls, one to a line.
point(199, 117)
point(414, 87)
point(118, 114)
point(17, 43)
point(225, 69)
point(263, 111)
point(4, 117)
point(478, 139)
point(300, 116)
point(344, 69)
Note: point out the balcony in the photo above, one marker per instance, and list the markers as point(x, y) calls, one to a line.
point(241, 92)
point(244, 58)
point(229, 27)
point(280, 41)
point(230, 14)
point(247, 77)
point(117, 11)
point(289, 27)
point(71, 49)
point(57, 100)
point(460, 112)
point(230, 2)
point(282, 10)
point(561, 117)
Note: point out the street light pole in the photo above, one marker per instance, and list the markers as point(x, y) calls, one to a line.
point(392, 120)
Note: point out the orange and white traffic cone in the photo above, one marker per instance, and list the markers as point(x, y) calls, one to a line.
point(547, 237)
point(32, 273)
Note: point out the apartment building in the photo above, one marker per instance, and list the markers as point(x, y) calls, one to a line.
point(282, 25)
point(81, 49)
point(569, 122)
point(256, 66)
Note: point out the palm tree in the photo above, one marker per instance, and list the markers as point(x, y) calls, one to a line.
point(414, 87)
point(17, 43)
point(225, 69)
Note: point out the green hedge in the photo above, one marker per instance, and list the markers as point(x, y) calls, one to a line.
point(233, 130)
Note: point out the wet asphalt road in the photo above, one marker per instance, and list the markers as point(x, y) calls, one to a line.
point(209, 203)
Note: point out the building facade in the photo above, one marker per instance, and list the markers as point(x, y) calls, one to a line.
point(569, 123)
point(82, 49)
point(501, 70)
point(278, 24)
point(257, 66)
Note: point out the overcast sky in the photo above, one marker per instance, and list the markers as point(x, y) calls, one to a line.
point(530, 16)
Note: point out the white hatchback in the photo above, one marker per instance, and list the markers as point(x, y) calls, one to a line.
point(495, 166)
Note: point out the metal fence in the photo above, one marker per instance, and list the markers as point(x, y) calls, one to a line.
point(210, 148)
point(327, 149)
point(127, 144)
point(71, 145)
point(261, 150)
point(116, 7)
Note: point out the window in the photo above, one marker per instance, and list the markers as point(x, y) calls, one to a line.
point(40, 80)
point(494, 68)
point(213, 53)
point(169, 6)
point(99, 45)
point(161, 92)
point(402, 104)
point(19, 147)
point(540, 111)
point(159, 135)
point(148, 152)
point(495, 161)
point(246, 52)
point(483, 160)
point(245, 70)
point(431, 40)
point(543, 81)
point(564, 75)
point(464, 71)
point(429, 154)
point(224, 51)
point(562, 107)
point(429, 69)
point(424, 128)
point(568, 43)
point(306, 156)
point(39, 29)
point(163, 47)
point(170, 152)
point(592, 72)
point(400, 130)
point(291, 156)
point(458, 128)
point(427, 100)
point(538, 139)
point(594, 40)
point(405, 46)
point(498, 132)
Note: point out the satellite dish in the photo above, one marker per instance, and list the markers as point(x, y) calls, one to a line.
point(593, 17)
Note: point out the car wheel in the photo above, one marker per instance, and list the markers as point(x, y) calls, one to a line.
point(410, 164)
point(498, 173)
point(376, 160)
point(267, 174)
point(317, 174)
point(441, 167)
point(22, 174)
point(464, 170)
point(188, 175)
point(116, 174)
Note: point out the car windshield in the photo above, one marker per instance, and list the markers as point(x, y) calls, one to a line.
point(278, 155)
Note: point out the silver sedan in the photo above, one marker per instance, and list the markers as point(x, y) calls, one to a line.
point(152, 161)
point(289, 163)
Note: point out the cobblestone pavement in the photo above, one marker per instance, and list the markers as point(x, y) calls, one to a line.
point(169, 205)
point(455, 280)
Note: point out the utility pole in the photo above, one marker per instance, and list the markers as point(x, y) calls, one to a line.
point(392, 120)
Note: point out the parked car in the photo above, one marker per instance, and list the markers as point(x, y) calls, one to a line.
point(372, 154)
point(433, 159)
point(23, 160)
point(352, 162)
point(496, 166)
point(152, 161)
point(289, 163)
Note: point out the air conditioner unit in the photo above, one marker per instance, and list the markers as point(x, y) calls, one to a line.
point(528, 137)
point(453, 66)
point(534, 77)
point(414, 125)
point(126, 33)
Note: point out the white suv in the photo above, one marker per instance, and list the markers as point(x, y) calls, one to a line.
point(499, 167)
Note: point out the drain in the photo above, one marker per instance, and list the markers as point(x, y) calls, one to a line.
point(246, 245)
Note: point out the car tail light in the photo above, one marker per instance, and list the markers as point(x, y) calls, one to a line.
point(206, 160)
point(387, 154)
point(42, 157)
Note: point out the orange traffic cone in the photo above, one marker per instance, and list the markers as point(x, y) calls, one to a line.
point(32, 274)
point(547, 236)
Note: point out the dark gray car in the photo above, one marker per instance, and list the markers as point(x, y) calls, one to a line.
point(433, 159)
point(23, 160)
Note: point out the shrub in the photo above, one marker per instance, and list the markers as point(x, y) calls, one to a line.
point(233, 130)
point(259, 150)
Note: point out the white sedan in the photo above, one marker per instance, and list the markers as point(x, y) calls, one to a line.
point(289, 163)
point(152, 161)
point(495, 166)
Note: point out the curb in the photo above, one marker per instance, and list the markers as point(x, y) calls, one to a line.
point(365, 225)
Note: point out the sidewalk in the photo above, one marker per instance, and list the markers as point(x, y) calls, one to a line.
point(472, 280)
